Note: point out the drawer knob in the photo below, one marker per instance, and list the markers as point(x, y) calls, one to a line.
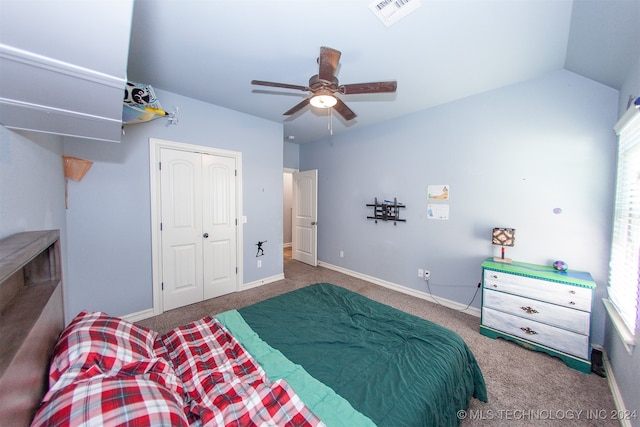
point(529, 331)
point(495, 286)
point(529, 310)
point(494, 276)
point(572, 303)
point(572, 292)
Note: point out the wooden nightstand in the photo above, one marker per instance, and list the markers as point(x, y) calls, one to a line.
point(539, 308)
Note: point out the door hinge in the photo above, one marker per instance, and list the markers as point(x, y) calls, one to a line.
point(162, 286)
point(236, 172)
point(236, 270)
point(159, 165)
point(160, 226)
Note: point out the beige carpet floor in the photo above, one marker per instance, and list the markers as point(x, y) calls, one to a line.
point(525, 387)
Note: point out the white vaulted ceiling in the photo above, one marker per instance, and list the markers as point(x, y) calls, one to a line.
point(210, 50)
point(441, 52)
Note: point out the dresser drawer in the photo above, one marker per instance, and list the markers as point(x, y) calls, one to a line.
point(542, 290)
point(549, 336)
point(543, 312)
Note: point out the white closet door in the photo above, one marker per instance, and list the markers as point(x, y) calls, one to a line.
point(181, 213)
point(219, 225)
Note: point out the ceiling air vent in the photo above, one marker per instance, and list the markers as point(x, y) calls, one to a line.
point(391, 11)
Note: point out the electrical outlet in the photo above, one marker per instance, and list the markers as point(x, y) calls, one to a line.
point(427, 275)
point(420, 272)
point(259, 263)
point(341, 254)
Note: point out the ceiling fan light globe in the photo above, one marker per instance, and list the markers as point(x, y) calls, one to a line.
point(323, 101)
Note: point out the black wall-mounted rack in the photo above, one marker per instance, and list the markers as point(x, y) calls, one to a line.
point(386, 211)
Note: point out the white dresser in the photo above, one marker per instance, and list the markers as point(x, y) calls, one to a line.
point(539, 308)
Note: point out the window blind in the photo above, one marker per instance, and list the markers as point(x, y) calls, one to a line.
point(624, 265)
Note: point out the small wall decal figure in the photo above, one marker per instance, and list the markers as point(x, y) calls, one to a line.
point(260, 249)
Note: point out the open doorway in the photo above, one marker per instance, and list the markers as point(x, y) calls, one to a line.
point(304, 216)
point(287, 211)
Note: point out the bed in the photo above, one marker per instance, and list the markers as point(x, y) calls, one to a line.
point(319, 355)
point(394, 368)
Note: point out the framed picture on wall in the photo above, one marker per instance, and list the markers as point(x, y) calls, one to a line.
point(438, 192)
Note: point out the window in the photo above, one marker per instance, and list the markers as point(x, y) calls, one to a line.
point(624, 266)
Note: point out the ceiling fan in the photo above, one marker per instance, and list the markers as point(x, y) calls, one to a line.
point(324, 85)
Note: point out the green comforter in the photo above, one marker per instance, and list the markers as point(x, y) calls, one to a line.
point(393, 367)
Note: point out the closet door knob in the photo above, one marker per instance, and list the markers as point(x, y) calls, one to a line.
point(205, 235)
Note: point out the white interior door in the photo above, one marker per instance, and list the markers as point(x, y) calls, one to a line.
point(219, 225)
point(199, 225)
point(181, 206)
point(304, 244)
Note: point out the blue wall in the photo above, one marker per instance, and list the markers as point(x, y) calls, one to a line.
point(32, 185)
point(31, 182)
point(109, 218)
point(510, 156)
point(291, 155)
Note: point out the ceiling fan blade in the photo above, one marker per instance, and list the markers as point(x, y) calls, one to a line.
point(282, 85)
point(297, 107)
point(328, 62)
point(373, 87)
point(342, 109)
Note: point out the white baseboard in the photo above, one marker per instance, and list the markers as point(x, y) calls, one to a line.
point(418, 294)
point(134, 317)
point(140, 315)
point(615, 391)
point(145, 314)
point(261, 282)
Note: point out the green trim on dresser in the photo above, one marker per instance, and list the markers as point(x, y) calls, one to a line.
point(571, 361)
point(535, 271)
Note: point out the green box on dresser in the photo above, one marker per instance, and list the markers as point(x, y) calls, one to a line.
point(539, 308)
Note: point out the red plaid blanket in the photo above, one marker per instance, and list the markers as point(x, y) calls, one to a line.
point(224, 385)
point(109, 372)
point(114, 401)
